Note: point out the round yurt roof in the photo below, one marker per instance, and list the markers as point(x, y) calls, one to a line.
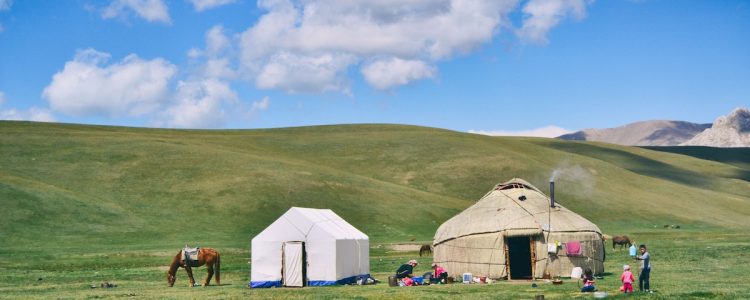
point(515, 208)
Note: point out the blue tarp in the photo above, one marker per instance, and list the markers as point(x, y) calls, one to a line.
point(348, 280)
point(265, 284)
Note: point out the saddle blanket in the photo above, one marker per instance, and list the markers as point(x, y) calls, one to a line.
point(189, 254)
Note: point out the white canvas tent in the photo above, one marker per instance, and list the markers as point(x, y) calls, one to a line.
point(309, 247)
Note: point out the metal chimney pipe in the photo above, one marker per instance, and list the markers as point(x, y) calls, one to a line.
point(552, 194)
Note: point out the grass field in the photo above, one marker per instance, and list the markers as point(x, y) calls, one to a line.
point(86, 204)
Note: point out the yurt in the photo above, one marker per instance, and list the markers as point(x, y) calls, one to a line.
point(517, 232)
point(308, 247)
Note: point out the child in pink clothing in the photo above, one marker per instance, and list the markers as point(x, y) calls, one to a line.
point(440, 276)
point(627, 279)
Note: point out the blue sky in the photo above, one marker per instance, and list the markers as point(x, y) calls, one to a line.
point(495, 66)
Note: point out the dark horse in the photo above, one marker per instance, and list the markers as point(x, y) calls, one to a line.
point(620, 240)
point(425, 250)
point(206, 256)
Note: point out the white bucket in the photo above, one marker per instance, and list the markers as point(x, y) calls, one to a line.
point(467, 278)
point(576, 273)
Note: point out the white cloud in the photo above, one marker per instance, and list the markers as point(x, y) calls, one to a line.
point(199, 104)
point(548, 131)
point(131, 87)
point(32, 114)
point(194, 53)
point(543, 15)
point(216, 41)
point(386, 73)
point(201, 5)
point(309, 38)
point(261, 105)
point(348, 33)
point(206, 99)
point(5, 4)
point(151, 10)
point(305, 73)
point(214, 60)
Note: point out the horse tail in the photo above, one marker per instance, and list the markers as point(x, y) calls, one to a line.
point(218, 268)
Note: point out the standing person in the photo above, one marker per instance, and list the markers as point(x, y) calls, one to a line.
point(643, 278)
point(405, 271)
point(588, 281)
point(627, 279)
point(440, 274)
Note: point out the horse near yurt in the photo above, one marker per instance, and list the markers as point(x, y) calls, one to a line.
point(190, 258)
point(622, 241)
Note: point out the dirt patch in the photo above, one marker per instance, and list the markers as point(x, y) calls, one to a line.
point(405, 247)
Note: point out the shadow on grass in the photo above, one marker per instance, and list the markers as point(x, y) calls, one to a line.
point(738, 157)
point(637, 164)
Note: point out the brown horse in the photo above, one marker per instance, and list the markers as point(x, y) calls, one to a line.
point(206, 256)
point(620, 240)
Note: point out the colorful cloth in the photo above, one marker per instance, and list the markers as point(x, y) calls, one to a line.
point(439, 270)
point(573, 248)
point(407, 281)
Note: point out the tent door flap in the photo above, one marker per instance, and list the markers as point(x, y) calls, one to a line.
point(293, 264)
point(519, 257)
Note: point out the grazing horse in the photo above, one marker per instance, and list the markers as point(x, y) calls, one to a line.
point(425, 250)
point(206, 256)
point(620, 240)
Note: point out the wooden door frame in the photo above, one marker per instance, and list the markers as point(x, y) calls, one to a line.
point(532, 252)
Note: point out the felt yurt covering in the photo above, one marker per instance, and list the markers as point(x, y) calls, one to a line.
point(507, 234)
point(309, 247)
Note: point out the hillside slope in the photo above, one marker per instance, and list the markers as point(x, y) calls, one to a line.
point(74, 184)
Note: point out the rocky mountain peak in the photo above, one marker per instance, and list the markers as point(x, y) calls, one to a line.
point(732, 130)
point(738, 119)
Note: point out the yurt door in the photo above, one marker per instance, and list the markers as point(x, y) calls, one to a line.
point(293, 260)
point(519, 257)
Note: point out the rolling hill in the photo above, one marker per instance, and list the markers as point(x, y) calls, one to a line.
point(72, 185)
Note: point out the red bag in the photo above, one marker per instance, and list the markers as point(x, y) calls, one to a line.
point(408, 281)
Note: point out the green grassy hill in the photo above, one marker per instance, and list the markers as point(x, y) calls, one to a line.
point(100, 191)
point(73, 183)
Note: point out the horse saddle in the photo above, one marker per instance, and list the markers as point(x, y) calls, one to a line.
point(190, 256)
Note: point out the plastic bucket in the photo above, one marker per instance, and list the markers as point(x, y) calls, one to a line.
point(466, 277)
point(576, 273)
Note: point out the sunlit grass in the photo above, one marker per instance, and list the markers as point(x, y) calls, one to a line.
point(86, 204)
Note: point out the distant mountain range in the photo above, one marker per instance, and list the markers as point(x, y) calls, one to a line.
point(732, 130)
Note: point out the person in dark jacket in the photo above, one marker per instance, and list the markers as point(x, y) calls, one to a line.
point(406, 269)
